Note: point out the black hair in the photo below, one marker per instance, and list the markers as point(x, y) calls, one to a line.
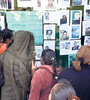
point(7, 33)
point(63, 90)
point(49, 58)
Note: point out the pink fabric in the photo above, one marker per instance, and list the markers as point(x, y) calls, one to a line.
point(41, 80)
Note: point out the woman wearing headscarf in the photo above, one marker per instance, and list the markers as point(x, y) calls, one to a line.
point(17, 62)
point(79, 73)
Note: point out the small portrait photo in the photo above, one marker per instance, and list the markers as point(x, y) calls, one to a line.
point(87, 31)
point(76, 17)
point(38, 51)
point(49, 31)
point(71, 57)
point(3, 4)
point(50, 5)
point(67, 45)
point(76, 2)
point(88, 14)
point(64, 35)
point(38, 3)
point(49, 34)
point(87, 40)
point(75, 45)
point(46, 16)
point(76, 33)
point(49, 44)
point(63, 20)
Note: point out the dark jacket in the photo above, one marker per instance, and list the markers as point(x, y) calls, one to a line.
point(79, 80)
point(17, 60)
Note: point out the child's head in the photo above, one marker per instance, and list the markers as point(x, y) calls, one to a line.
point(48, 58)
point(50, 2)
point(77, 15)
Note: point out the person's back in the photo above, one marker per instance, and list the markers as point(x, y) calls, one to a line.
point(17, 61)
point(44, 78)
point(79, 73)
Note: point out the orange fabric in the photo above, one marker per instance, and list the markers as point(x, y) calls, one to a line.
point(2, 47)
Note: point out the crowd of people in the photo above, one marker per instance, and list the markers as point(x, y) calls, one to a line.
point(21, 79)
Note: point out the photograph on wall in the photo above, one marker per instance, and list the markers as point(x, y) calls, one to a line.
point(86, 28)
point(49, 44)
point(65, 47)
point(87, 40)
point(38, 5)
point(76, 17)
point(63, 17)
point(75, 32)
point(49, 31)
point(87, 12)
point(11, 4)
point(38, 63)
point(3, 4)
point(25, 3)
point(49, 17)
point(63, 3)
point(50, 4)
point(38, 51)
point(71, 57)
point(75, 45)
point(2, 23)
point(79, 2)
point(64, 32)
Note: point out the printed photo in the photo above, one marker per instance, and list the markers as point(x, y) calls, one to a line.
point(38, 5)
point(50, 5)
point(11, 4)
point(64, 32)
point(38, 63)
point(76, 17)
point(49, 31)
point(76, 2)
point(3, 4)
point(71, 57)
point(76, 32)
point(87, 12)
point(65, 47)
point(66, 4)
point(87, 40)
point(49, 44)
point(79, 2)
point(75, 45)
point(2, 23)
point(86, 28)
point(64, 17)
point(25, 3)
point(49, 18)
point(38, 51)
